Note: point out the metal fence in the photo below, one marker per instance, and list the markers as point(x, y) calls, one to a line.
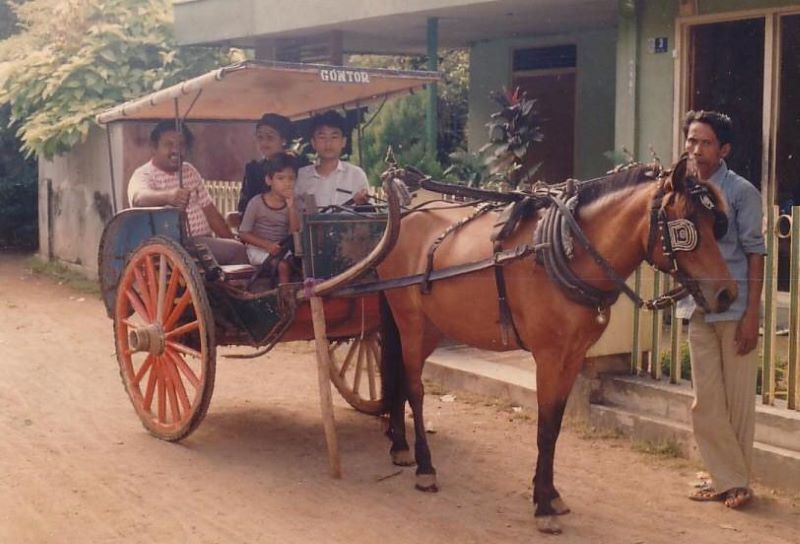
point(780, 339)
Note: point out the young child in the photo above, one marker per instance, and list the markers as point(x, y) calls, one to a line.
point(271, 216)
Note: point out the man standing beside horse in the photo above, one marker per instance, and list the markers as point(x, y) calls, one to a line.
point(722, 345)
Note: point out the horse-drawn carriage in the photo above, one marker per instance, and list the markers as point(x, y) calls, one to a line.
point(540, 276)
point(172, 304)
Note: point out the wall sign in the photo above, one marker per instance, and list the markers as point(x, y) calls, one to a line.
point(658, 45)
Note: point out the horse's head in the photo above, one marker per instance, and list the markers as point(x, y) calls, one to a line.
point(687, 219)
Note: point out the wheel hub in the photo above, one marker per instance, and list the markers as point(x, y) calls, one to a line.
point(149, 338)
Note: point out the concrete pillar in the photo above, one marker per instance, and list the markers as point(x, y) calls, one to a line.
point(431, 121)
point(625, 121)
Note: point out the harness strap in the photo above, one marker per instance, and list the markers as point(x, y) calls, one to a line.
point(601, 262)
point(498, 259)
point(426, 282)
point(506, 316)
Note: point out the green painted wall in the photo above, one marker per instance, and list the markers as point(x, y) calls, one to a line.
point(490, 69)
point(655, 73)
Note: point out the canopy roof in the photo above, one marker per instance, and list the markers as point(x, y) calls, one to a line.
point(245, 91)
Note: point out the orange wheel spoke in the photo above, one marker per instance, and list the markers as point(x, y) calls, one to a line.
point(162, 393)
point(152, 282)
point(151, 387)
point(184, 349)
point(136, 302)
point(177, 311)
point(177, 383)
point(183, 329)
point(142, 370)
point(172, 289)
point(162, 287)
point(141, 288)
point(173, 398)
point(184, 368)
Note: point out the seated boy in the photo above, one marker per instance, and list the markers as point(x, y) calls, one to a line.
point(330, 180)
point(271, 216)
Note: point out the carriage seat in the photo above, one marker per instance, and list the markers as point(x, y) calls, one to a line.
point(238, 271)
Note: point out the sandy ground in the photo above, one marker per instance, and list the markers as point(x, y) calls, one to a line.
point(77, 466)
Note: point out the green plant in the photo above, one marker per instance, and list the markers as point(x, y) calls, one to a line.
point(398, 127)
point(685, 361)
point(72, 59)
point(666, 448)
point(503, 162)
point(18, 192)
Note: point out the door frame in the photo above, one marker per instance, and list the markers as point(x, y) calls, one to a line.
point(770, 108)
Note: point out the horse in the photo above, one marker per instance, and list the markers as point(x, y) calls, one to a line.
point(667, 218)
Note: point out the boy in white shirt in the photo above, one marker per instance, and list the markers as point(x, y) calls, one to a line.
point(330, 180)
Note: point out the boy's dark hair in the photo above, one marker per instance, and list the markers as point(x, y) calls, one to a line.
point(169, 126)
point(283, 125)
point(721, 124)
point(330, 118)
point(279, 163)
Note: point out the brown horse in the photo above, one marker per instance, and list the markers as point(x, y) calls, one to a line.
point(627, 217)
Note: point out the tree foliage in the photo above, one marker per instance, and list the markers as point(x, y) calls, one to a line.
point(401, 123)
point(75, 58)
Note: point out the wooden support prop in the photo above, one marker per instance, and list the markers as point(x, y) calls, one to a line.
point(324, 374)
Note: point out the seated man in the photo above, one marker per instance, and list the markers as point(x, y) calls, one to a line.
point(156, 183)
point(331, 181)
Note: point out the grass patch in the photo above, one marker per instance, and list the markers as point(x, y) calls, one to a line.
point(584, 431)
point(666, 449)
point(64, 275)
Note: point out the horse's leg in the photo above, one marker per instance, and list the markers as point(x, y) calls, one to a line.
point(416, 348)
point(394, 387)
point(555, 375)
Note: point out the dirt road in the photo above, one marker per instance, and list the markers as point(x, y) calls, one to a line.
point(77, 467)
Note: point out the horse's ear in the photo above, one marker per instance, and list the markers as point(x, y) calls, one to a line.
point(677, 179)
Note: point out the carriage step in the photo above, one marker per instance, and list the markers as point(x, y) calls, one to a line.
point(238, 271)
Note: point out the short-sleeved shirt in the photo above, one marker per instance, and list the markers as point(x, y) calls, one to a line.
point(149, 176)
point(348, 177)
point(265, 222)
point(744, 236)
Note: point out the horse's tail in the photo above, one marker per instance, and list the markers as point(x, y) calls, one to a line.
point(393, 376)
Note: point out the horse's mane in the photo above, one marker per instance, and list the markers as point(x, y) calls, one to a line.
point(617, 181)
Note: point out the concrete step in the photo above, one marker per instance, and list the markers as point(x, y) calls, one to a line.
point(773, 466)
point(775, 425)
point(647, 396)
point(466, 370)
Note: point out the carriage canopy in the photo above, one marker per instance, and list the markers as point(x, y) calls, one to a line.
point(244, 91)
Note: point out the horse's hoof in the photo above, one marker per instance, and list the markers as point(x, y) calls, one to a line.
point(549, 525)
point(402, 458)
point(426, 483)
point(559, 506)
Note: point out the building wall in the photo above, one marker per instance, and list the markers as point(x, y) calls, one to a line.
point(490, 70)
point(75, 196)
point(74, 203)
point(656, 72)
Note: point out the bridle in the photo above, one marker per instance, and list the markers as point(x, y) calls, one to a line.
point(676, 235)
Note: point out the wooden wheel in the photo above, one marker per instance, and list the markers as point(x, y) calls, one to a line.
point(164, 336)
point(356, 371)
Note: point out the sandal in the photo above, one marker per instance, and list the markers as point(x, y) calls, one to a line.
point(706, 494)
point(738, 497)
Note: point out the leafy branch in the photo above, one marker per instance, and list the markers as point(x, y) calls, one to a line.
point(74, 58)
